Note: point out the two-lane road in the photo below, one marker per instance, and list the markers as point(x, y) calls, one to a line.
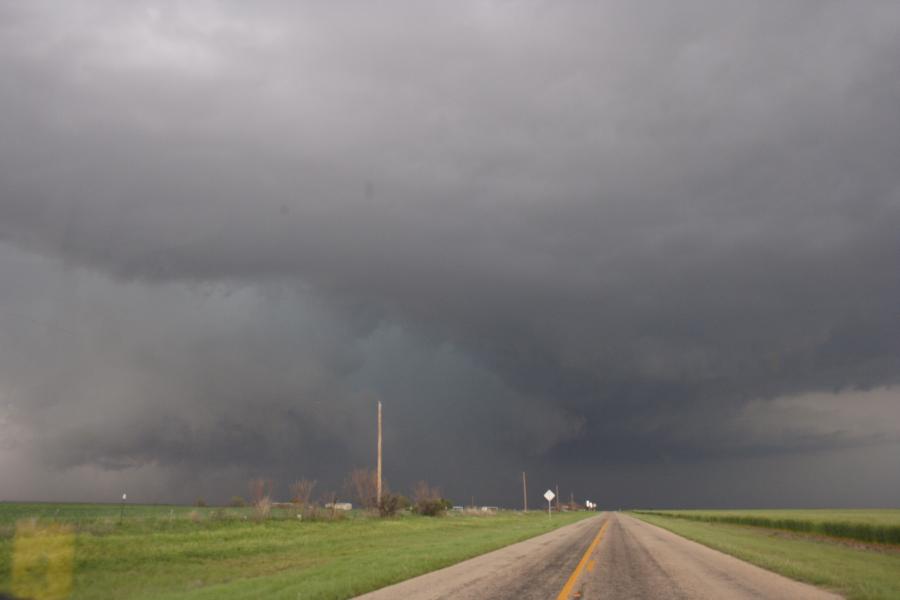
point(612, 556)
point(637, 560)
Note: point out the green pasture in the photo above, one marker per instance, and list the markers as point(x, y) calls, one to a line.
point(881, 526)
point(176, 552)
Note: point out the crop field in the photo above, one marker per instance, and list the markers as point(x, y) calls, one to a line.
point(880, 526)
point(90, 551)
point(794, 543)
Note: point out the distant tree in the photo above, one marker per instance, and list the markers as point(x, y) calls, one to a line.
point(238, 501)
point(200, 502)
point(363, 485)
point(259, 488)
point(261, 496)
point(301, 491)
point(329, 499)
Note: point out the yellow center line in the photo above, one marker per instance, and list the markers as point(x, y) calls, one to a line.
point(573, 578)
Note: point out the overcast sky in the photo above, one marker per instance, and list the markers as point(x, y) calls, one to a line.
point(647, 251)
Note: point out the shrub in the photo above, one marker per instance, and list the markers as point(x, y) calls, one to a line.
point(201, 503)
point(262, 508)
point(261, 495)
point(311, 512)
point(430, 508)
point(428, 501)
point(238, 502)
point(259, 488)
point(390, 504)
point(301, 491)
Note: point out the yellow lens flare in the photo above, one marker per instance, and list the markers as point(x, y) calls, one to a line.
point(42, 561)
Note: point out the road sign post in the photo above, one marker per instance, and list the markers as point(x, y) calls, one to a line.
point(549, 495)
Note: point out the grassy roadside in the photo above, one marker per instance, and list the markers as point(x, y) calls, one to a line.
point(880, 526)
point(858, 574)
point(177, 553)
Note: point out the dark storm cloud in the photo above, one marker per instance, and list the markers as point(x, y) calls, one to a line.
point(546, 235)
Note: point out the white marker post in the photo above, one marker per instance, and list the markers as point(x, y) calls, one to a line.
point(549, 495)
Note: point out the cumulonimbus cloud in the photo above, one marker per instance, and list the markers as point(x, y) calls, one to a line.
point(605, 222)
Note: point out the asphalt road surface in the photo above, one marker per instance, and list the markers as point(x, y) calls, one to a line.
point(611, 556)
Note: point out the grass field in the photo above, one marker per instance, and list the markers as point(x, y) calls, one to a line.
point(175, 552)
point(881, 526)
point(858, 573)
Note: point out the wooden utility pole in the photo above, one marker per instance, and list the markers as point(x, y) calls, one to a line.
point(378, 490)
point(524, 492)
point(557, 497)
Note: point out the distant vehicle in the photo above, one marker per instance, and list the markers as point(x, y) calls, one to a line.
point(340, 506)
point(458, 508)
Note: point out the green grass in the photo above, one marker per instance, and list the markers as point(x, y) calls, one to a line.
point(10, 512)
point(858, 574)
point(167, 552)
point(881, 526)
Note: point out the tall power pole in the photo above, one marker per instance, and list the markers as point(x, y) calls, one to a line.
point(524, 492)
point(557, 497)
point(378, 491)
